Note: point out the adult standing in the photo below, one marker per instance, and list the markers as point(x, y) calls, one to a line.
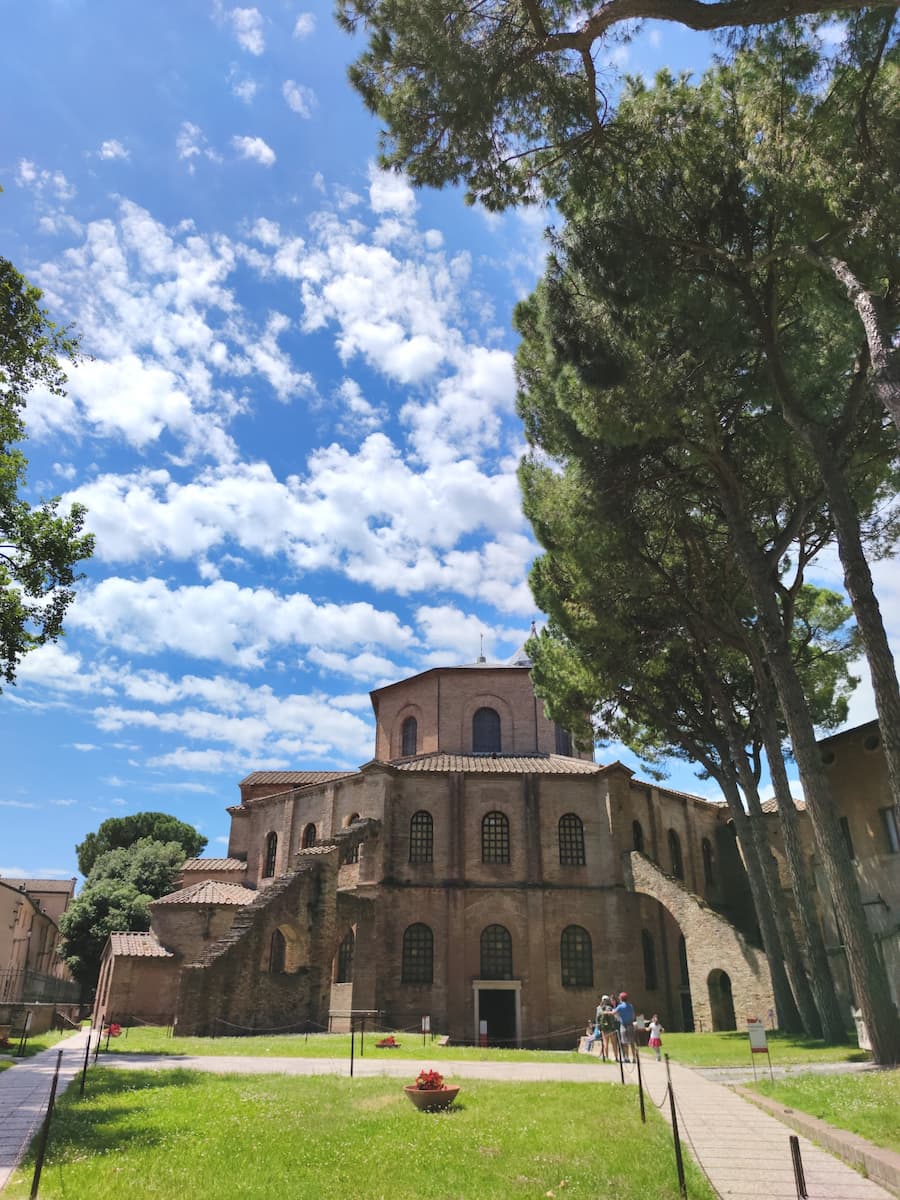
point(607, 1023)
point(624, 1013)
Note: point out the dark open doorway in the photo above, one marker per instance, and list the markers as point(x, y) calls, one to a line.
point(498, 1008)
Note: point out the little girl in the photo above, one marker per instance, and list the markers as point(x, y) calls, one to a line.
point(656, 1031)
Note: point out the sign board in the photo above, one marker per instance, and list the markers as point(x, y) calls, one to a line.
point(758, 1042)
point(426, 1024)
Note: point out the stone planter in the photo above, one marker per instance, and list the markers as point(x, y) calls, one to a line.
point(432, 1100)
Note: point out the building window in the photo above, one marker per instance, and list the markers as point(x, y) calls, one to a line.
point(421, 837)
point(277, 953)
point(571, 841)
point(848, 840)
point(353, 853)
point(576, 958)
point(684, 977)
point(675, 855)
point(408, 735)
point(706, 849)
point(495, 838)
point(891, 833)
point(308, 840)
point(650, 980)
point(563, 741)
point(496, 953)
point(271, 852)
point(637, 836)
point(486, 732)
point(418, 955)
point(344, 972)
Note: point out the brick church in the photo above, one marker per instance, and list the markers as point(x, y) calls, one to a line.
point(478, 870)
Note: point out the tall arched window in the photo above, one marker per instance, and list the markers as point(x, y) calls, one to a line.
point(675, 855)
point(344, 972)
point(637, 836)
point(576, 958)
point(270, 855)
point(409, 732)
point(277, 953)
point(486, 732)
point(495, 838)
point(571, 841)
point(353, 855)
point(706, 848)
point(650, 980)
point(308, 840)
point(496, 953)
point(421, 837)
point(418, 954)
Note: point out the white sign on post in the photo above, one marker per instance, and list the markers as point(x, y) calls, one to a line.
point(758, 1041)
point(426, 1024)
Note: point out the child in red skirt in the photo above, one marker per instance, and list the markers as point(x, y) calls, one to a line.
point(656, 1032)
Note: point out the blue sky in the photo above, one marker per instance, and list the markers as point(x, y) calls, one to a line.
point(294, 428)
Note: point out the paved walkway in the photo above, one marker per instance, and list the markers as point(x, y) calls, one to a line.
point(24, 1091)
point(744, 1152)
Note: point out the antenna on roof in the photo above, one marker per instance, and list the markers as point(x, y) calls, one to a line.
point(481, 657)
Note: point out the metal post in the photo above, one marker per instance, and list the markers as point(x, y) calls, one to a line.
point(362, 1037)
point(352, 1044)
point(769, 1057)
point(637, 1059)
point(799, 1177)
point(619, 1056)
point(679, 1162)
point(45, 1131)
point(87, 1055)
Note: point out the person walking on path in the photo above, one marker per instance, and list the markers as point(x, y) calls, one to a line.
point(656, 1032)
point(625, 1016)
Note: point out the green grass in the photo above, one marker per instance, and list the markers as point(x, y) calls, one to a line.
point(150, 1039)
point(733, 1050)
point(152, 1136)
point(34, 1045)
point(866, 1103)
point(5, 1064)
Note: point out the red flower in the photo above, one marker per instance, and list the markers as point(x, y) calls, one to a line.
point(429, 1081)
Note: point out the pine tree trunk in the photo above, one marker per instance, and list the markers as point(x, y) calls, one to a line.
point(867, 972)
point(813, 943)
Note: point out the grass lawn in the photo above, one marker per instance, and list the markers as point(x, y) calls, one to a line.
point(733, 1050)
point(867, 1103)
point(34, 1045)
point(152, 1136)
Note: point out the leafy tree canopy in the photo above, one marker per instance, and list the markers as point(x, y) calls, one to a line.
point(150, 867)
point(109, 906)
point(123, 832)
point(39, 546)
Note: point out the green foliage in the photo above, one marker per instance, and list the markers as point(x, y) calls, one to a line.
point(108, 906)
point(150, 867)
point(39, 546)
point(123, 832)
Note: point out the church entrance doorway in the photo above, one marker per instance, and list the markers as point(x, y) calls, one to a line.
point(498, 1003)
point(721, 1001)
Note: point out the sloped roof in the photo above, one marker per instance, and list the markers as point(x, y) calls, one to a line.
point(137, 945)
point(214, 864)
point(293, 778)
point(209, 891)
point(771, 806)
point(40, 885)
point(499, 764)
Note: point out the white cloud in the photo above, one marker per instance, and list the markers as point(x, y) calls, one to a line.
point(42, 181)
point(304, 25)
point(248, 27)
point(300, 99)
point(84, 747)
point(245, 90)
point(191, 143)
point(390, 192)
point(113, 149)
point(255, 149)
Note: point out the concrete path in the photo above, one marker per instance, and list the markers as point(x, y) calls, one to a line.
point(24, 1091)
point(744, 1152)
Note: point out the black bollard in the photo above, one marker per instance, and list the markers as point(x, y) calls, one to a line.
point(352, 1044)
point(619, 1056)
point(679, 1161)
point(87, 1055)
point(637, 1060)
point(799, 1176)
point(44, 1136)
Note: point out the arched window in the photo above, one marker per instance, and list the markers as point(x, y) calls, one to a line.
point(496, 953)
point(308, 840)
point(277, 953)
point(706, 848)
point(495, 838)
point(421, 837)
point(353, 855)
point(675, 855)
point(271, 852)
point(563, 741)
point(650, 980)
point(571, 841)
point(409, 731)
point(418, 955)
point(637, 836)
point(486, 732)
point(344, 973)
point(576, 959)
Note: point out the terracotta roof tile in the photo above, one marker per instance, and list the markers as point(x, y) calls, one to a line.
point(209, 891)
point(294, 778)
point(138, 945)
point(214, 864)
point(40, 885)
point(499, 764)
point(771, 806)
